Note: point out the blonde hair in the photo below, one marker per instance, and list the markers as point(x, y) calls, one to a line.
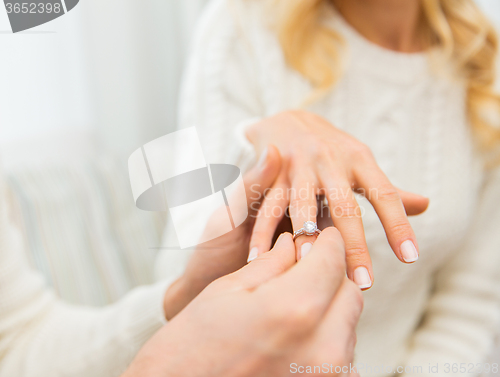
point(457, 27)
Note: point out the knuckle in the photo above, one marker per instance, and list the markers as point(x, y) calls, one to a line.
point(345, 208)
point(400, 228)
point(364, 150)
point(301, 311)
point(304, 315)
point(319, 148)
point(357, 251)
point(310, 147)
point(361, 151)
point(277, 316)
point(387, 193)
point(292, 321)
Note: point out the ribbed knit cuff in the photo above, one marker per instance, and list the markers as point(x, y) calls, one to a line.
point(147, 312)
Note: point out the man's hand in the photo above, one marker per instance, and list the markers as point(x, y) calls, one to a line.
point(258, 321)
point(227, 253)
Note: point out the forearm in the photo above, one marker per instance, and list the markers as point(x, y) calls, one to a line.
point(59, 339)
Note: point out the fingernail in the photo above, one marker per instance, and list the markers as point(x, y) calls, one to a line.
point(362, 278)
point(409, 251)
point(262, 159)
point(305, 249)
point(254, 253)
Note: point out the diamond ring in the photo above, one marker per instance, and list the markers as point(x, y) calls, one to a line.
point(310, 228)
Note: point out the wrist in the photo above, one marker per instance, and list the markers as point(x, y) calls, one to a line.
point(177, 296)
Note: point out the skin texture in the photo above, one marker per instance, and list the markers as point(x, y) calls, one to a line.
point(318, 158)
point(311, 310)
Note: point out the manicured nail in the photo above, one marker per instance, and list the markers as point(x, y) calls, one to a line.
point(305, 249)
point(254, 253)
point(409, 251)
point(262, 159)
point(362, 278)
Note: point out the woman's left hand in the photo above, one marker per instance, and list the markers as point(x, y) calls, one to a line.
point(228, 253)
point(320, 159)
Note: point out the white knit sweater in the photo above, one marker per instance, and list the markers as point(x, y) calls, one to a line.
point(40, 336)
point(445, 307)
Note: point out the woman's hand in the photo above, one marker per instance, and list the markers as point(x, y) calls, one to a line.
point(321, 159)
point(228, 253)
point(270, 318)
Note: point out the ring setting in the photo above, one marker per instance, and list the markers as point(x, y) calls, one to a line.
point(310, 228)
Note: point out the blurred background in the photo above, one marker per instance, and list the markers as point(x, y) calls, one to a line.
point(108, 70)
point(78, 95)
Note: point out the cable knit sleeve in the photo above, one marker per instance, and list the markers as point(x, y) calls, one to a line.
point(462, 315)
point(40, 336)
point(219, 95)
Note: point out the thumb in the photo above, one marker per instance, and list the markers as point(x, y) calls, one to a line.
point(268, 265)
point(262, 176)
point(414, 204)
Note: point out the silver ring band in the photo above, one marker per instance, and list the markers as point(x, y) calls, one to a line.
point(310, 228)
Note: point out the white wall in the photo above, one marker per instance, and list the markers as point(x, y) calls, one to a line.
point(492, 9)
point(43, 86)
point(110, 67)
